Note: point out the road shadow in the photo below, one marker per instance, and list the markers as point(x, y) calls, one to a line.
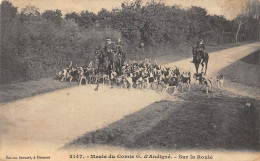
point(15, 91)
point(218, 120)
point(244, 71)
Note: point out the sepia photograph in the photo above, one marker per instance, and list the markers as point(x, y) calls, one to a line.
point(130, 80)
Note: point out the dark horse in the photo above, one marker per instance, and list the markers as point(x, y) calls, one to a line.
point(200, 57)
point(108, 61)
point(118, 61)
point(104, 60)
point(113, 60)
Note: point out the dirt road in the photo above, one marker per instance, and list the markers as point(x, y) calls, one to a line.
point(42, 124)
point(222, 59)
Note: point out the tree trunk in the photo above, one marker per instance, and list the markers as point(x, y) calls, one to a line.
point(239, 26)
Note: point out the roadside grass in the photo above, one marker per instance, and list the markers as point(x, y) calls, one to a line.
point(18, 90)
point(218, 120)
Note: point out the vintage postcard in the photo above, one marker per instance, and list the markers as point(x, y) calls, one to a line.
point(139, 80)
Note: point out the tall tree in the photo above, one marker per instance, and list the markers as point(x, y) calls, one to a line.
point(104, 18)
point(87, 19)
point(8, 11)
point(248, 15)
point(53, 16)
point(72, 16)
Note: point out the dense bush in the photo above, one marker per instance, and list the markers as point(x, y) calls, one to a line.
point(35, 45)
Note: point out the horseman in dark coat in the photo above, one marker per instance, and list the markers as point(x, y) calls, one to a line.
point(110, 47)
point(200, 47)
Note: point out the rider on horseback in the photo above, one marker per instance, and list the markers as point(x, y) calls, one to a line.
point(109, 46)
point(200, 47)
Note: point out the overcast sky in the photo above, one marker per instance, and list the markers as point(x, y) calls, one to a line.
point(228, 8)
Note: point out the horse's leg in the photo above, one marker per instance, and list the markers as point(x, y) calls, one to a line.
point(116, 66)
point(206, 66)
point(88, 79)
point(197, 68)
point(113, 65)
point(106, 66)
point(92, 80)
point(96, 80)
point(121, 64)
point(202, 64)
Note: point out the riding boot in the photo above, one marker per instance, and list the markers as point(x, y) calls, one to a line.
point(192, 60)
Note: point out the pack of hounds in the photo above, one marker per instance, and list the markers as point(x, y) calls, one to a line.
point(142, 75)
